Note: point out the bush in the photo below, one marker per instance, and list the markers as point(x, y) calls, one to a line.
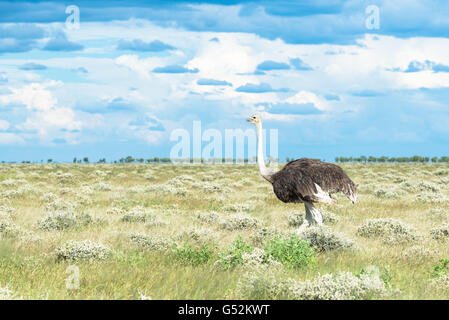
point(137, 214)
point(292, 252)
point(64, 220)
point(82, 250)
point(440, 233)
point(295, 219)
point(323, 239)
point(189, 255)
point(343, 286)
point(441, 268)
point(7, 294)
point(233, 256)
point(262, 235)
point(264, 283)
point(151, 243)
point(389, 230)
point(239, 221)
point(260, 283)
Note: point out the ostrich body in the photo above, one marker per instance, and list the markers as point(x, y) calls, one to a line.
point(305, 181)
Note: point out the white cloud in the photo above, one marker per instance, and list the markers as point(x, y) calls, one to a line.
point(10, 138)
point(4, 125)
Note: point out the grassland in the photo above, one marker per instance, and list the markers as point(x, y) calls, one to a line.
point(161, 228)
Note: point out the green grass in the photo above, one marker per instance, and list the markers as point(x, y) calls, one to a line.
point(29, 267)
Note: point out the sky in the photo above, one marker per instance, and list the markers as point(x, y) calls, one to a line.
point(334, 78)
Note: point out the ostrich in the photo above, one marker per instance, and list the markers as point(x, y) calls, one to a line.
point(305, 180)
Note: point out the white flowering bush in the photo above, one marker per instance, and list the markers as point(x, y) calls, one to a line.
point(418, 254)
point(151, 242)
point(428, 186)
point(62, 220)
point(440, 233)
point(342, 286)
point(389, 193)
point(440, 284)
point(390, 230)
point(323, 239)
point(199, 235)
point(48, 197)
point(430, 197)
point(82, 250)
point(102, 187)
point(8, 229)
point(239, 221)
point(8, 294)
point(211, 217)
point(237, 207)
point(261, 282)
point(137, 214)
point(295, 218)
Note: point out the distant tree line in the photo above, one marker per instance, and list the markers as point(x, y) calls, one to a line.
point(365, 159)
point(362, 159)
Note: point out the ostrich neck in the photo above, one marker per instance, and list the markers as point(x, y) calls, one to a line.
point(264, 171)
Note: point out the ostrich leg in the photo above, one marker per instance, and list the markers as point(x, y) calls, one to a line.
point(313, 215)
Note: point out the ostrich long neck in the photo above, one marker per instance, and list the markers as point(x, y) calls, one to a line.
point(264, 171)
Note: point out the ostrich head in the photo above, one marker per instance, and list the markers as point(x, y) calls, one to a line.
point(255, 119)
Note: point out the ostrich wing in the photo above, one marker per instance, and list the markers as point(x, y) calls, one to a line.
point(313, 180)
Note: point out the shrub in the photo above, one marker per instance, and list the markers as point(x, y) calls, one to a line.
point(8, 229)
point(151, 243)
point(82, 250)
point(388, 194)
point(264, 283)
point(428, 186)
point(295, 219)
point(64, 220)
point(237, 207)
point(440, 284)
point(199, 235)
point(262, 235)
point(441, 268)
point(138, 214)
point(417, 254)
point(292, 252)
point(194, 256)
point(440, 233)
point(257, 258)
point(342, 286)
point(7, 294)
point(323, 239)
point(233, 255)
point(239, 221)
point(102, 187)
point(389, 230)
point(260, 283)
point(208, 217)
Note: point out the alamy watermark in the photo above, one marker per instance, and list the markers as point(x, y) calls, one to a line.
point(72, 282)
point(73, 20)
point(207, 146)
point(372, 21)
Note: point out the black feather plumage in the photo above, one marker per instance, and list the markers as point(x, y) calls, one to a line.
point(296, 181)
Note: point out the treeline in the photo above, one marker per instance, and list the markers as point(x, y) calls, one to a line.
point(365, 159)
point(362, 159)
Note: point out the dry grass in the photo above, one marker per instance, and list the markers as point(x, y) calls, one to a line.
point(142, 212)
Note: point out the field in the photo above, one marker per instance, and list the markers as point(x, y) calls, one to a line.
point(163, 231)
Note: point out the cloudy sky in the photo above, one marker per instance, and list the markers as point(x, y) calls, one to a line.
point(133, 72)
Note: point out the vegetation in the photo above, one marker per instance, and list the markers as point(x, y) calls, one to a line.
point(181, 231)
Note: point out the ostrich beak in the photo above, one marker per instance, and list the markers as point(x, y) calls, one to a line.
point(248, 119)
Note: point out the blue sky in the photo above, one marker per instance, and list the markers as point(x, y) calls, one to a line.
point(135, 71)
